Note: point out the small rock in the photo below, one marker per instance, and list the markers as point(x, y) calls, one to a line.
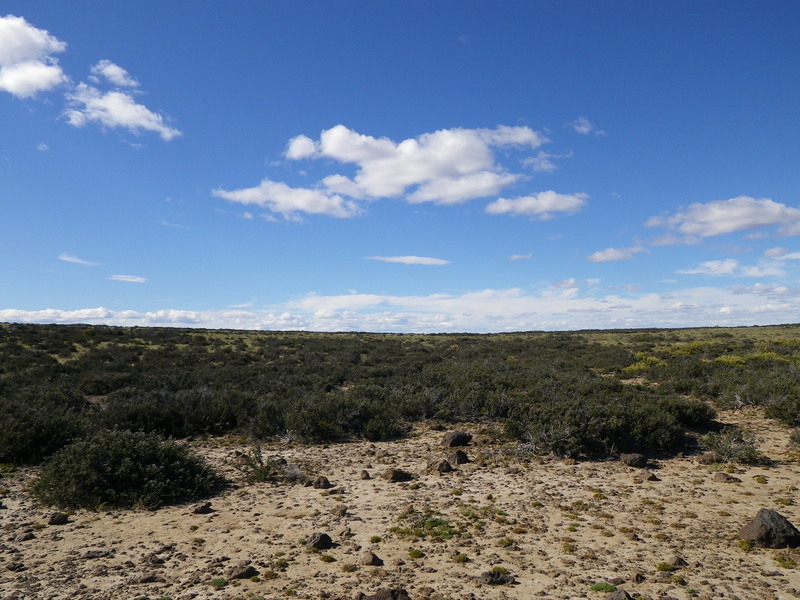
point(707, 458)
point(202, 509)
point(459, 457)
point(58, 518)
point(440, 466)
point(676, 561)
point(637, 461)
point(242, 571)
point(339, 511)
point(650, 476)
point(364, 475)
point(619, 595)
point(16, 567)
point(370, 559)
point(396, 475)
point(452, 439)
point(721, 477)
point(320, 541)
point(322, 483)
point(496, 578)
point(24, 536)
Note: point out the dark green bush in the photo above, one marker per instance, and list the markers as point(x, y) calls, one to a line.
point(38, 421)
point(123, 469)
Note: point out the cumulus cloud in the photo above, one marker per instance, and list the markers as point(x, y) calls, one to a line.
point(613, 254)
point(448, 166)
point(114, 109)
point(540, 206)
point(113, 73)
point(781, 253)
point(27, 65)
point(411, 260)
point(78, 261)
point(584, 126)
point(128, 278)
point(288, 201)
point(719, 217)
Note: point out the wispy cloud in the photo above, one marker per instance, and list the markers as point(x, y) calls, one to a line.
point(27, 64)
point(128, 278)
point(411, 260)
point(731, 266)
point(614, 254)
point(584, 126)
point(540, 206)
point(78, 261)
point(514, 257)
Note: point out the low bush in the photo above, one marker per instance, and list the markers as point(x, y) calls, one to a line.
point(124, 470)
point(734, 445)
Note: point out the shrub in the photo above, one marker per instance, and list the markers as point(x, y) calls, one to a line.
point(733, 444)
point(125, 470)
point(603, 586)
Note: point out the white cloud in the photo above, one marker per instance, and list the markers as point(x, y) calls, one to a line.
point(613, 254)
point(584, 126)
point(411, 260)
point(514, 257)
point(27, 66)
point(742, 213)
point(114, 109)
point(489, 310)
point(449, 166)
point(288, 201)
point(541, 205)
point(713, 267)
point(566, 284)
point(74, 259)
point(128, 278)
point(42, 147)
point(114, 74)
point(543, 161)
point(781, 253)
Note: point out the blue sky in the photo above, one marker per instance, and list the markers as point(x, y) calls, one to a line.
point(400, 166)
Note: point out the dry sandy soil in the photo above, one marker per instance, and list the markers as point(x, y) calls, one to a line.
point(558, 527)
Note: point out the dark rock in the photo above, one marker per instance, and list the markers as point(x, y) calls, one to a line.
point(242, 571)
point(92, 554)
point(676, 561)
point(202, 509)
point(650, 476)
point(721, 477)
point(396, 475)
point(24, 536)
point(459, 457)
point(385, 594)
point(370, 559)
point(453, 439)
point(339, 511)
point(15, 567)
point(58, 518)
point(440, 466)
point(322, 483)
point(770, 529)
point(320, 541)
point(637, 461)
point(619, 595)
point(364, 475)
point(707, 458)
point(496, 578)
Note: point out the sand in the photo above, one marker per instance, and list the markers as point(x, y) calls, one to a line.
point(558, 527)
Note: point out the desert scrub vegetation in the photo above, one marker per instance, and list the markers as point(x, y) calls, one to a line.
point(569, 394)
point(733, 445)
point(123, 469)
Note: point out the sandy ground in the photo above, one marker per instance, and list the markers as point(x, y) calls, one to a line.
point(558, 527)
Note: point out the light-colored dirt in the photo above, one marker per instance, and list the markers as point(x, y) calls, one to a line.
point(557, 527)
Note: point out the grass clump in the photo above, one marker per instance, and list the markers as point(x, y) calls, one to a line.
point(603, 586)
point(666, 567)
point(123, 469)
point(734, 445)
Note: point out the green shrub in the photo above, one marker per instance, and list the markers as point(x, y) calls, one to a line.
point(603, 586)
point(733, 444)
point(123, 469)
